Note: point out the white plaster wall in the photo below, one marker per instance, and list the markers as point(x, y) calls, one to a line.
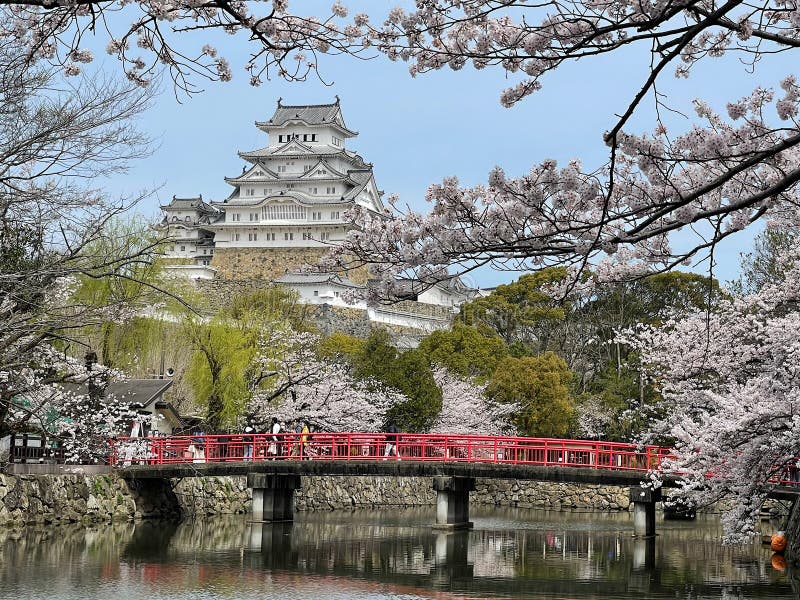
point(191, 271)
point(407, 320)
point(324, 135)
point(440, 297)
point(225, 236)
point(326, 295)
point(182, 214)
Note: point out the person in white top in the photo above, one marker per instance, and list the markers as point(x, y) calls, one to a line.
point(276, 440)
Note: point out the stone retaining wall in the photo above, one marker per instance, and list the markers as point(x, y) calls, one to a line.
point(555, 496)
point(107, 497)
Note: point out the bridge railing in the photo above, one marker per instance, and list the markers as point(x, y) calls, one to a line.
point(381, 446)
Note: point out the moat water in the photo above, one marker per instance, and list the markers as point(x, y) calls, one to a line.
point(388, 554)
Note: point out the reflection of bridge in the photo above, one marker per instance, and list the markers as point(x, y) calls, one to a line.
point(494, 561)
point(274, 464)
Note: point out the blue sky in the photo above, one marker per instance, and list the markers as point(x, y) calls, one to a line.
point(417, 131)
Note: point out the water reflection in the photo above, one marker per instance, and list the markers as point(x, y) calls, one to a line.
point(387, 554)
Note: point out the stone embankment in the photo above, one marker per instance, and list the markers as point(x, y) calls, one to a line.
point(106, 497)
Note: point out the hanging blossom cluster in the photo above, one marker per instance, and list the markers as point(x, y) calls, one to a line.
point(731, 386)
point(528, 41)
point(466, 409)
point(722, 174)
point(302, 387)
point(286, 45)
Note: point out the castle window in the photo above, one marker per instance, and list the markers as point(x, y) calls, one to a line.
point(267, 191)
point(183, 248)
point(336, 294)
point(324, 236)
point(188, 219)
point(330, 190)
point(281, 168)
point(312, 190)
point(316, 292)
point(282, 212)
point(335, 214)
point(249, 192)
point(316, 216)
point(252, 237)
point(288, 236)
point(321, 172)
point(236, 237)
point(336, 141)
point(254, 216)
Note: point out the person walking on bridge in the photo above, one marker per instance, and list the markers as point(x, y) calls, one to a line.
point(391, 441)
point(275, 446)
point(304, 441)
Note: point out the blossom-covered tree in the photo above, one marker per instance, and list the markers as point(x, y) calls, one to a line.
point(467, 410)
point(293, 384)
point(66, 400)
point(730, 381)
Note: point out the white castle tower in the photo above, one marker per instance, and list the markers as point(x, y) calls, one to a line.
point(292, 197)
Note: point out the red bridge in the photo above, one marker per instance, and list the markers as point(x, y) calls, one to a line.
point(438, 448)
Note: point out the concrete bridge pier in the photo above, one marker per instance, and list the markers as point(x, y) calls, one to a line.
point(644, 510)
point(452, 501)
point(273, 496)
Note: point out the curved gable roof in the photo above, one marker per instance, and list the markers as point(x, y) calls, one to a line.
point(308, 114)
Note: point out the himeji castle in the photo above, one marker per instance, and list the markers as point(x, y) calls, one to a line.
point(285, 208)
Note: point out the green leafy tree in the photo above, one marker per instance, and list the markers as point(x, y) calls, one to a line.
point(408, 372)
point(217, 370)
point(520, 311)
point(540, 386)
point(340, 347)
point(465, 350)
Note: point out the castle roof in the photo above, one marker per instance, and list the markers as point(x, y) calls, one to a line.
point(308, 114)
point(280, 152)
point(189, 204)
point(300, 196)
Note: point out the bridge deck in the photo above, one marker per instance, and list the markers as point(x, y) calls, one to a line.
point(390, 468)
